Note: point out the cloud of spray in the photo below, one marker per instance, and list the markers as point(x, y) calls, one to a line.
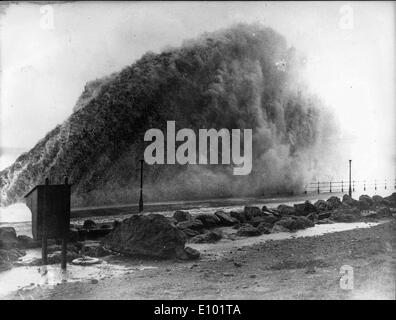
point(243, 77)
point(294, 133)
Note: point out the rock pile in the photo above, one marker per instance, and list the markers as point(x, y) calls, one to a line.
point(253, 221)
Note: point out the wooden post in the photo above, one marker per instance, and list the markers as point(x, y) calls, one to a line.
point(44, 251)
point(65, 237)
point(141, 187)
point(330, 186)
point(350, 177)
point(318, 188)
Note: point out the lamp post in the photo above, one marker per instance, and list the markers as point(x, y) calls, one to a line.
point(350, 177)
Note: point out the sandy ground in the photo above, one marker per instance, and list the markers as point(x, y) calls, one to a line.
point(300, 268)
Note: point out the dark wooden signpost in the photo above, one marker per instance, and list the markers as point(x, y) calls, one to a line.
point(50, 207)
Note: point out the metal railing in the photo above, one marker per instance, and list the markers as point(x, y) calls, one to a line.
point(343, 186)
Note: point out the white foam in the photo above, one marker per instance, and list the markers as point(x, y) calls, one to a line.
point(18, 212)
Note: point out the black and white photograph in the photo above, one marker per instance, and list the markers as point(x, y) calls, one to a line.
point(203, 150)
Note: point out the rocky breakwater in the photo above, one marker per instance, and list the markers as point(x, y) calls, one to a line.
point(252, 221)
point(366, 208)
point(255, 221)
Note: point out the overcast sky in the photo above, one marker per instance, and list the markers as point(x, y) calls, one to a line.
point(350, 50)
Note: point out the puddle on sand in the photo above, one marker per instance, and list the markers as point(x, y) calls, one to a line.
point(28, 277)
point(319, 229)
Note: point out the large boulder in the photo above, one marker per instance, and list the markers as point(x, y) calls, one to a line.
point(313, 216)
point(269, 212)
point(208, 237)
point(346, 199)
point(304, 209)
point(366, 198)
point(193, 224)
point(286, 210)
point(89, 224)
point(172, 220)
point(225, 218)
point(8, 238)
point(309, 207)
point(4, 264)
point(146, 235)
point(105, 226)
point(303, 223)
point(251, 212)
point(208, 220)
point(190, 232)
point(266, 219)
point(377, 199)
point(322, 205)
point(25, 242)
point(12, 254)
point(346, 215)
point(264, 228)
point(180, 216)
point(255, 221)
point(324, 215)
point(293, 223)
point(270, 219)
point(248, 230)
point(239, 215)
point(334, 202)
point(300, 209)
point(363, 204)
point(279, 228)
point(191, 253)
point(325, 221)
point(7, 257)
point(388, 203)
point(383, 212)
point(391, 199)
